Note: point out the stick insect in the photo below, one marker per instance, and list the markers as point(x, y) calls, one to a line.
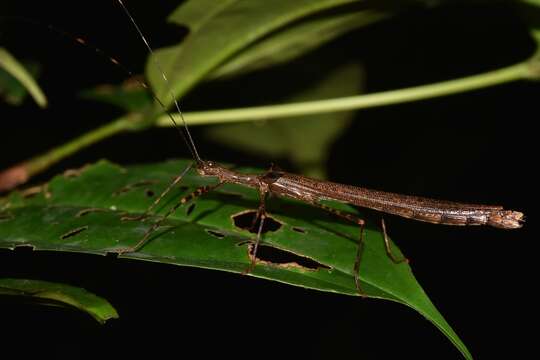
point(314, 192)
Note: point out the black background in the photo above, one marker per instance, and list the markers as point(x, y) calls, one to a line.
point(476, 147)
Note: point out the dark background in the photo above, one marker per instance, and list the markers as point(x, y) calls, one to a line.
point(476, 147)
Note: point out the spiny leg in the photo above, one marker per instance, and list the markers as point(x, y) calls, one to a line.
point(388, 247)
point(261, 214)
point(161, 196)
point(198, 192)
point(360, 222)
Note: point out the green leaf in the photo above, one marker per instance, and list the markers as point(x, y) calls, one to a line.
point(84, 211)
point(279, 138)
point(14, 68)
point(55, 294)
point(532, 2)
point(227, 28)
point(294, 41)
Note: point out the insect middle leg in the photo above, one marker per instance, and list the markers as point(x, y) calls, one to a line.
point(261, 216)
point(388, 248)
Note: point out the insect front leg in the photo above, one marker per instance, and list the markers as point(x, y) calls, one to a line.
point(160, 197)
point(144, 240)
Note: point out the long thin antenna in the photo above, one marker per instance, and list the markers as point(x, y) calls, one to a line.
point(186, 134)
point(130, 73)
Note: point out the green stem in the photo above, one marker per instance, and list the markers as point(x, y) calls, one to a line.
point(515, 72)
point(528, 69)
point(42, 162)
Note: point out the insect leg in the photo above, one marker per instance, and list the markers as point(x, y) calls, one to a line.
point(161, 196)
point(388, 247)
point(261, 214)
point(198, 192)
point(360, 222)
point(356, 267)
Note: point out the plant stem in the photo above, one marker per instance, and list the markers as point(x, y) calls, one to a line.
point(21, 172)
point(44, 161)
point(528, 69)
point(511, 73)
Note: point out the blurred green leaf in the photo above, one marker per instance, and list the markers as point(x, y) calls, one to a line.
point(16, 80)
point(304, 140)
point(228, 28)
point(55, 294)
point(532, 2)
point(295, 40)
point(83, 211)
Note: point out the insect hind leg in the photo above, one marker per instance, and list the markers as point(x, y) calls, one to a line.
point(361, 223)
point(388, 247)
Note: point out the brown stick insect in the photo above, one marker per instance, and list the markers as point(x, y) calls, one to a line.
point(314, 192)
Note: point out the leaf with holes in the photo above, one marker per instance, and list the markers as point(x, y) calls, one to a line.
point(54, 294)
point(88, 210)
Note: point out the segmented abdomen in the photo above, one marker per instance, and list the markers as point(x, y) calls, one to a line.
point(412, 207)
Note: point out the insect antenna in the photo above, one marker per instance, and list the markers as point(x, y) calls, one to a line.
point(184, 131)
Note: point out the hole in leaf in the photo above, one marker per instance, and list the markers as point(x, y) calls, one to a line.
point(24, 248)
point(133, 217)
point(135, 185)
point(74, 232)
point(190, 209)
point(73, 173)
point(84, 212)
point(244, 220)
point(149, 193)
point(36, 190)
point(4, 216)
point(215, 233)
point(32, 191)
point(299, 229)
point(271, 255)
point(112, 254)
